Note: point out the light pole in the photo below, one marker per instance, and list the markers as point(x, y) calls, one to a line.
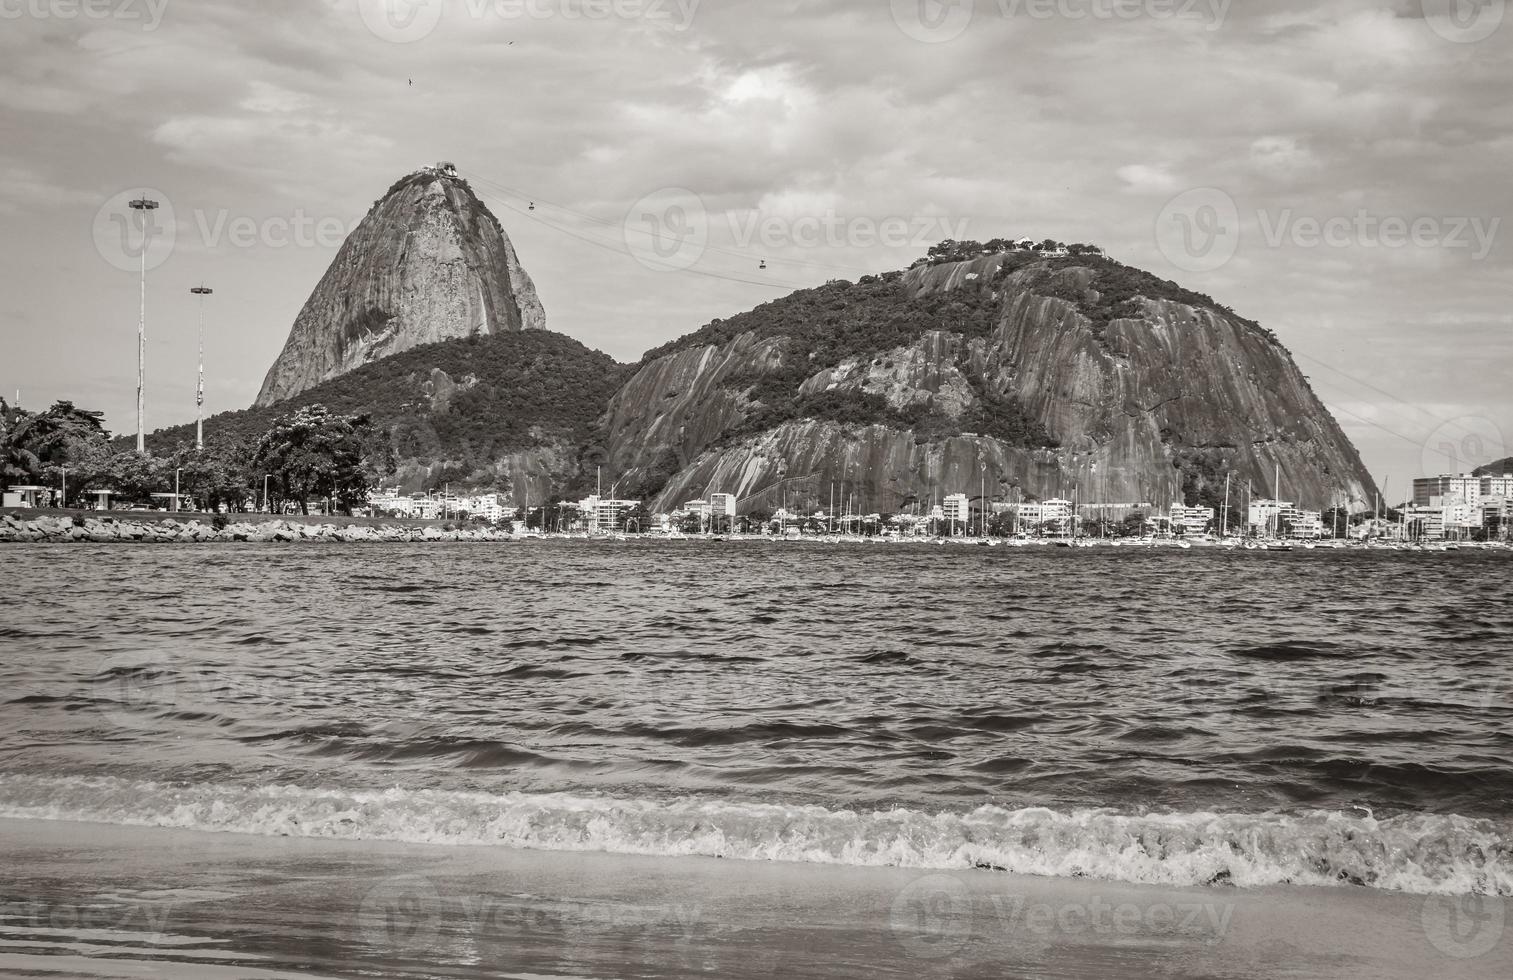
point(63, 492)
point(143, 205)
point(176, 470)
point(265, 492)
point(199, 391)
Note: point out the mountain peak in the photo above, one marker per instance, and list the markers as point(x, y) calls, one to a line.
point(428, 263)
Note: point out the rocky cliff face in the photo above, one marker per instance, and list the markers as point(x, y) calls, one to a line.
point(1028, 378)
point(428, 263)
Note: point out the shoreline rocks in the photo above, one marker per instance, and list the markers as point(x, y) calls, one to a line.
point(110, 529)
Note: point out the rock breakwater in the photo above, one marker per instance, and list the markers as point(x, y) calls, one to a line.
point(45, 528)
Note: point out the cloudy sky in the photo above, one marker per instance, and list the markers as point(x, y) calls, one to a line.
point(1338, 170)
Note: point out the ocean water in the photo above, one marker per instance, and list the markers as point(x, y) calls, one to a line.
point(1191, 718)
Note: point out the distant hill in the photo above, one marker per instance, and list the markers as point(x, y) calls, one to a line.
point(481, 410)
point(1010, 373)
point(1500, 468)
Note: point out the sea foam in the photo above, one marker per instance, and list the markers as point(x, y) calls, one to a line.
point(1418, 853)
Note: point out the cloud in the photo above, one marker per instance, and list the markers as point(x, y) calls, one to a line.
point(1143, 179)
point(1282, 158)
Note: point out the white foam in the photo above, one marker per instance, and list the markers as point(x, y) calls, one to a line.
point(1419, 853)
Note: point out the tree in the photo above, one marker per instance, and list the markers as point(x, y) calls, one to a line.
point(18, 464)
point(135, 476)
point(39, 446)
point(312, 452)
point(638, 517)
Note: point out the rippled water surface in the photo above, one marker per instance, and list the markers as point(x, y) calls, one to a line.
point(945, 684)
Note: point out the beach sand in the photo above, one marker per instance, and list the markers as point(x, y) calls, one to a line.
point(91, 900)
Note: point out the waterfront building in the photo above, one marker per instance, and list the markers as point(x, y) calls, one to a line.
point(389, 501)
point(957, 509)
point(1191, 520)
point(485, 506)
point(1497, 517)
point(1056, 512)
point(1436, 491)
point(1284, 518)
point(1115, 513)
point(1454, 519)
point(603, 516)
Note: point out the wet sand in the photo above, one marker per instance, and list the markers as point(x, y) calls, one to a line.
point(90, 900)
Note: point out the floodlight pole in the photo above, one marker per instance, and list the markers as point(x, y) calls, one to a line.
point(199, 391)
point(144, 205)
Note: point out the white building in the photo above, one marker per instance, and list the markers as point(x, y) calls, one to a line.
point(1056, 512)
point(605, 516)
point(387, 500)
point(1454, 519)
point(485, 506)
point(1435, 491)
point(1284, 518)
point(957, 509)
point(1191, 520)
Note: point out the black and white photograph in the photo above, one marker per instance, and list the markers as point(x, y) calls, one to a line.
point(797, 489)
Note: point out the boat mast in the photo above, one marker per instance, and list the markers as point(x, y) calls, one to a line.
point(1224, 518)
point(1276, 502)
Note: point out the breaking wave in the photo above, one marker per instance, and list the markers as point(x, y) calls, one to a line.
point(1417, 853)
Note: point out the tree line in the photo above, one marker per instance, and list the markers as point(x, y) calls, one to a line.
point(305, 456)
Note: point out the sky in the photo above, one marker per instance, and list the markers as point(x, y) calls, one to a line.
point(1336, 169)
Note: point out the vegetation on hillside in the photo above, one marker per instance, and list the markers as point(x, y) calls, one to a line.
point(1501, 467)
point(502, 393)
point(879, 313)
